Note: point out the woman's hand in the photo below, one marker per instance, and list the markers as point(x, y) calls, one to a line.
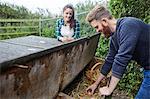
point(70, 38)
point(66, 39)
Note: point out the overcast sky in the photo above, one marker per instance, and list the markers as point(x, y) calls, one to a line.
point(54, 6)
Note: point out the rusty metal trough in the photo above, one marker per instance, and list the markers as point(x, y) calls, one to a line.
point(35, 67)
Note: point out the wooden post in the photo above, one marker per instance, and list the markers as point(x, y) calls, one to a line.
point(40, 26)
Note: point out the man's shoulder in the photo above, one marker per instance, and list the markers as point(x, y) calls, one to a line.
point(129, 20)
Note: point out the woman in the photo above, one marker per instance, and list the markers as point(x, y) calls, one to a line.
point(67, 28)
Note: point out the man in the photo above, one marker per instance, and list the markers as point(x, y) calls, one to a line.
point(129, 39)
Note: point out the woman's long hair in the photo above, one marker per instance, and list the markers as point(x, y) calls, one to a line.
point(72, 21)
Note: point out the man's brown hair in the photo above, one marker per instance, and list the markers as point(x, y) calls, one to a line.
point(97, 13)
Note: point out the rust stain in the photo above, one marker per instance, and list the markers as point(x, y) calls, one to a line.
point(63, 73)
point(21, 79)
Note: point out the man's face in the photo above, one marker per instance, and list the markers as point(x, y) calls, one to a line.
point(67, 14)
point(100, 26)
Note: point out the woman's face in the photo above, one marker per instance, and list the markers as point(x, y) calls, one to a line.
point(67, 14)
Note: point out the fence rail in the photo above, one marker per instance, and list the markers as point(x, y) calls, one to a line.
point(18, 33)
point(26, 26)
point(19, 20)
point(19, 26)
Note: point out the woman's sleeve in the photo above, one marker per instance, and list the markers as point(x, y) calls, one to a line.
point(77, 30)
point(57, 29)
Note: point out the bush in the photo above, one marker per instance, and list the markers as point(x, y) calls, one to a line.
point(131, 80)
point(134, 8)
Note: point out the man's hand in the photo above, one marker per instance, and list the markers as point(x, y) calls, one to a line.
point(90, 90)
point(108, 90)
point(105, 91)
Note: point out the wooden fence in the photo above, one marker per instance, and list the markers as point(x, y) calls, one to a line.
point(21, 26)
point(16, 27)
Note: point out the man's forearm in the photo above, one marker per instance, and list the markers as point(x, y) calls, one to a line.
point(99, 79)
point(113, 83)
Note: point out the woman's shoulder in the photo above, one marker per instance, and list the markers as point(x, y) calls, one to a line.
point(60, 21)
point(76, 22)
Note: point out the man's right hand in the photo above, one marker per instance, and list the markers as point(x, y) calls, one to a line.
point(90, 90)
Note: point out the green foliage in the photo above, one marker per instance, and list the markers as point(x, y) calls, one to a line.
point(9, 11)
point(48, 32)
point(102, 47)
point(48, 28)
point(131, 80)
point(82, 7)
point(82, 10)
point(18, 28)
point(133, 8)
point(86, 29)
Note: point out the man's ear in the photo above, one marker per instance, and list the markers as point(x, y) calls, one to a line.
point(104, 21)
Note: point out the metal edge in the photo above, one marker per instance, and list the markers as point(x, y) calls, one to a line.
point(7, 64)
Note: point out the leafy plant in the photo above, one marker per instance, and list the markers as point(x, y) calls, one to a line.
point(132, 79)
point(133, 8)
point(102, 47)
